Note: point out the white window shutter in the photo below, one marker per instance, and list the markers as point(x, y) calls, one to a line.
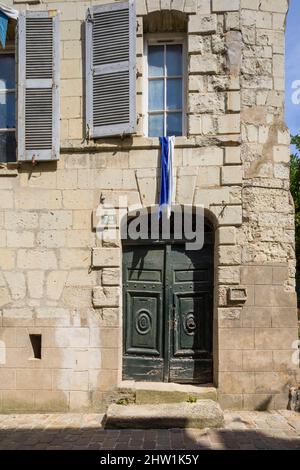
point(111, 69)
point(38, 86)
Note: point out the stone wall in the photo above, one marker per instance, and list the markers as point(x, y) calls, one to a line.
point(58, 279)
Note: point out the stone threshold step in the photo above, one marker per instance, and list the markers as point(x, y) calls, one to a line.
point(201, 414)
point(159, 392)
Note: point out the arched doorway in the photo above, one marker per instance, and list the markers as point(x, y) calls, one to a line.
point(168, 309)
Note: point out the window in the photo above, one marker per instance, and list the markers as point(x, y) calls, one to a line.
point(166, 88)
point(111, 70)
point(38, 86)
point(7, 102)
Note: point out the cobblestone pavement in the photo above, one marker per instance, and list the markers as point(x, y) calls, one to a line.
point(242, 430)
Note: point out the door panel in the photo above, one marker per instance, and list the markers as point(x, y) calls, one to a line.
point(143, 269)
point(189, 331)
point(144, 317)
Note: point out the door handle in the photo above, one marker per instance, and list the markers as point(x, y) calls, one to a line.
point(173, 324)
point(172, 312)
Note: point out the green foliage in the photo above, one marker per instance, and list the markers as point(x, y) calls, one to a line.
point(123, 402)
point(295, 190)
point(192, 399)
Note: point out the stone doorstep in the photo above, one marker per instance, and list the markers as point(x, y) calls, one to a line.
point(160, 392)
point(200, 415)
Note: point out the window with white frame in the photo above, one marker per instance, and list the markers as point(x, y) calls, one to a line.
point(7, 100)
point(166, 88)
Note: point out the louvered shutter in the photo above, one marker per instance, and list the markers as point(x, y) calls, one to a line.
point(111, 69)
point(38, 86)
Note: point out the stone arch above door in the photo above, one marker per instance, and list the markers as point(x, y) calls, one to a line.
point(149, 6)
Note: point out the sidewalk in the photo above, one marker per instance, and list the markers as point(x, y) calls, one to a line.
point(242, 430)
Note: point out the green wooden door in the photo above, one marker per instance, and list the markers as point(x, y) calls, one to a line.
point(167, 313)
point(191, 297)
point(143, 296)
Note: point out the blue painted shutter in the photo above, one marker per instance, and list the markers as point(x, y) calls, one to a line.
point(111, 69)
point(38, 86)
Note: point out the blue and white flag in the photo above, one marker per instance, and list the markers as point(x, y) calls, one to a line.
point(3, 28)
point(5, 14)
point(166, 181)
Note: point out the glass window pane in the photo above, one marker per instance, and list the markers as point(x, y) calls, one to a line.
point(7, 110)
point(156, 125)
point(7, 147)
point(156, 61)
point(174, 124)
point(174, 60)
point(156, 95)
point(7, 71)
point(174, 93)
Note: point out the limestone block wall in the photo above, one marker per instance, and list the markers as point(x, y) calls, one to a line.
point(60, 280)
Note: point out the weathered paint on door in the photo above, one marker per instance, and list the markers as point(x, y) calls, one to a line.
point(143, 289)
point(191, 298)
point(167, 321)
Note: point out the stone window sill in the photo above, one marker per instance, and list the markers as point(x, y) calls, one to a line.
point(130, 143)
point(27, 1)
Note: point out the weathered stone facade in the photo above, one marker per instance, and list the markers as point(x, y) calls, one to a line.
point(59, 280)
